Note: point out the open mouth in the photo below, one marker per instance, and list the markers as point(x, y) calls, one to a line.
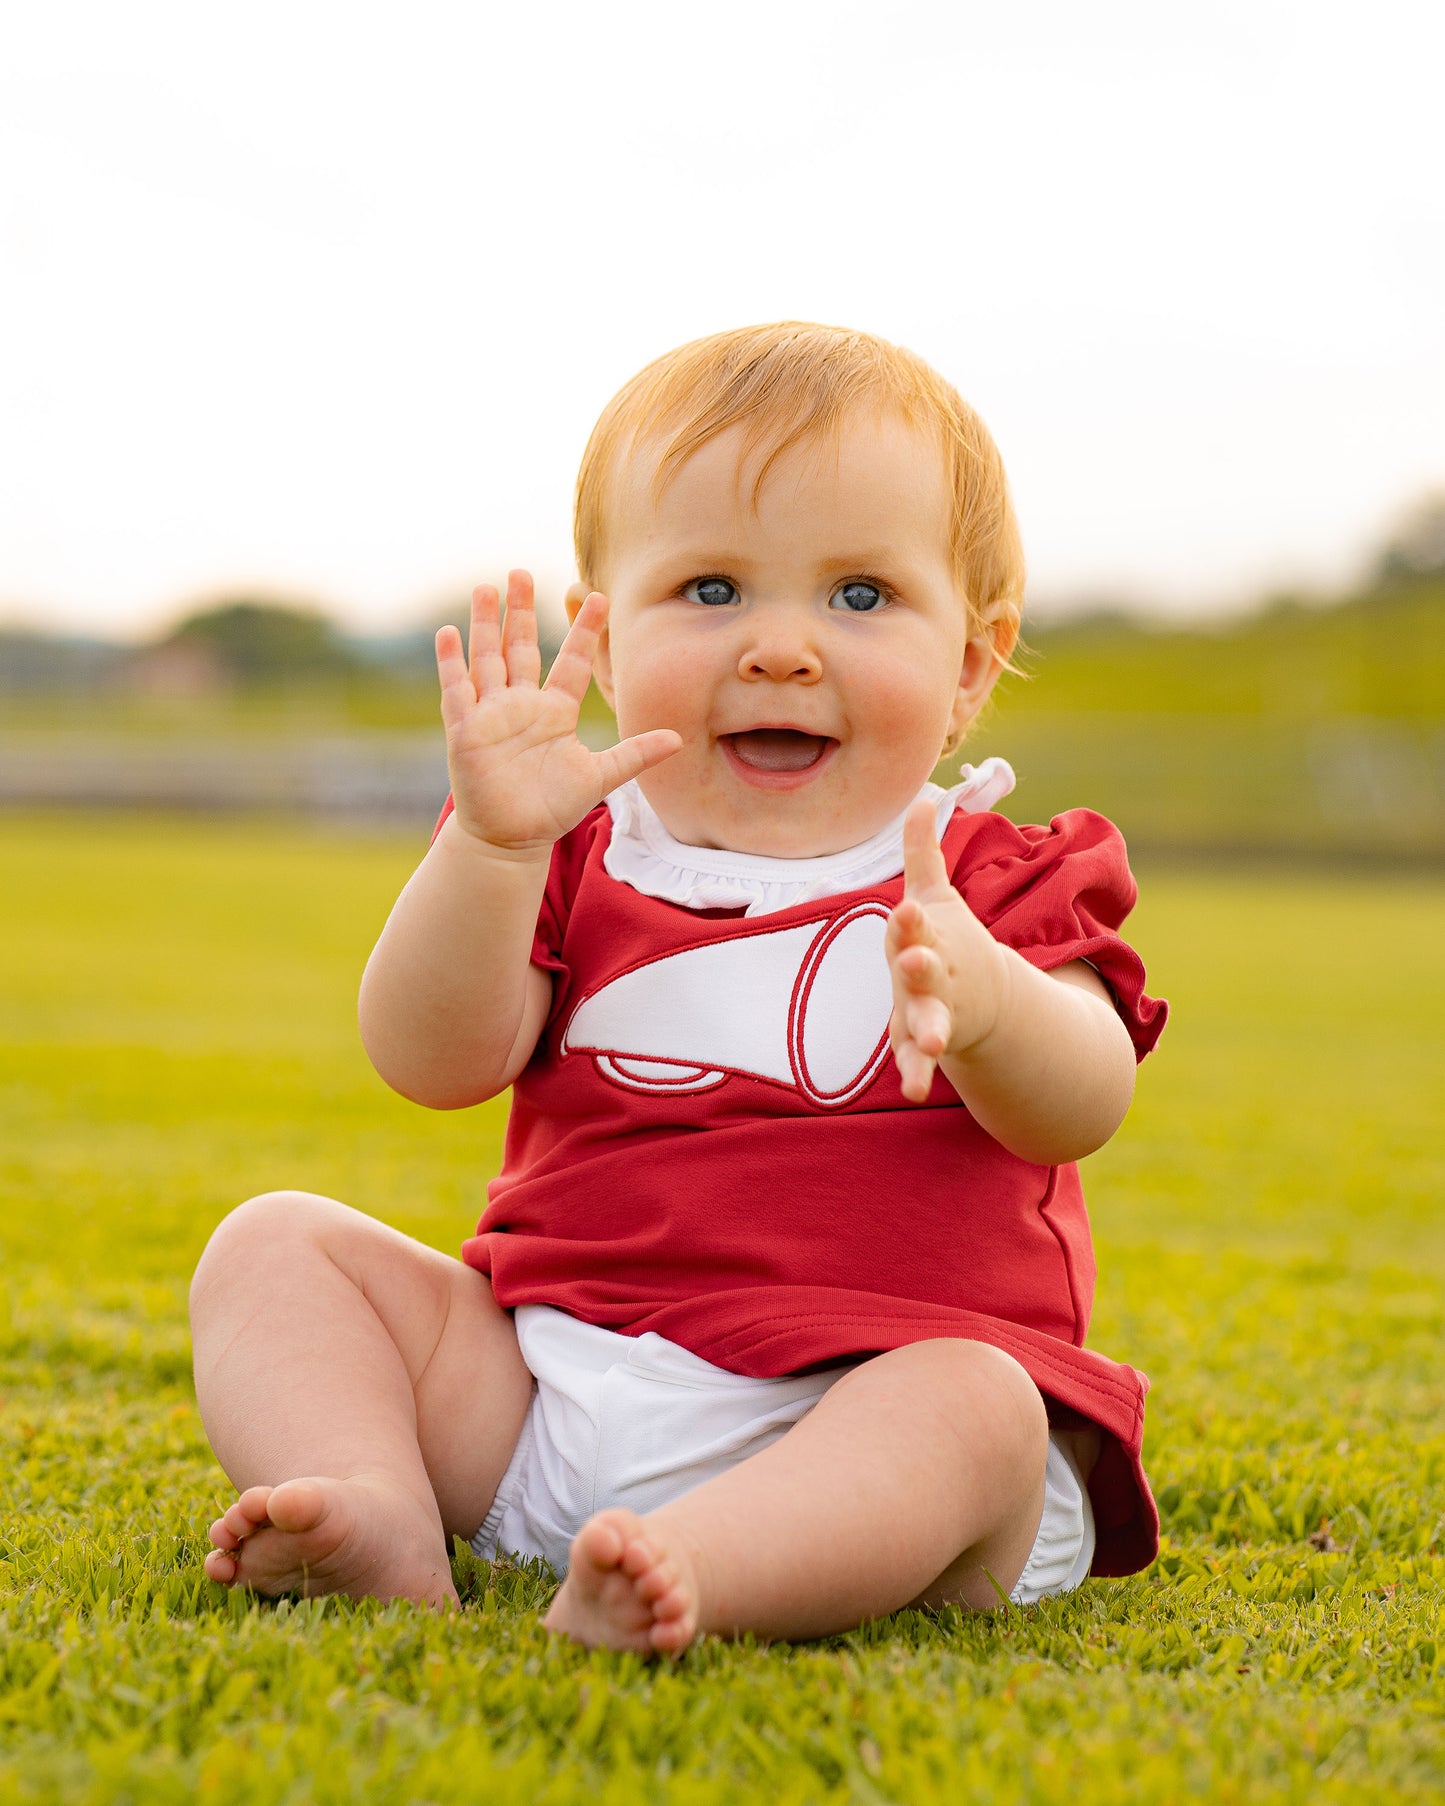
point(777, 759)
point(778, 751)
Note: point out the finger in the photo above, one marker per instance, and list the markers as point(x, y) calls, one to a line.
point(909, 925)
point(924, 873)
point(458, 691)
point(489, 668)
point(625, 760)
point(915, 1071)
point(519, 630)
point(572, 668)
point(451, 658)
point(920, 970)
point(929, 1023)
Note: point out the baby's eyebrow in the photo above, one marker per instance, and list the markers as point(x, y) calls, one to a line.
point(699, 561)
point(676, 564)
point(885, 558)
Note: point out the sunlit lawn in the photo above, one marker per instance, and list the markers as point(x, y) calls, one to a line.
point(176, 1014)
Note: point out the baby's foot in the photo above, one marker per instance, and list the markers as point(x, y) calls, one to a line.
point(361, 1536)
point(630, 1586)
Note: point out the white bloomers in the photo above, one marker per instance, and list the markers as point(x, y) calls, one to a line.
point(638, 1421)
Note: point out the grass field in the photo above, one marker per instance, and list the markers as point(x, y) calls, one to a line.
point(176, 1014)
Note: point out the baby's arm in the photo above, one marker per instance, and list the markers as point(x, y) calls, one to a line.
point(1042, 1059)
point(451, 1006)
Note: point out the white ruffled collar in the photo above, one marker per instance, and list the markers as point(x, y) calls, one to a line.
point(643, 854)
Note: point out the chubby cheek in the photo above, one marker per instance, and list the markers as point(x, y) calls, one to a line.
point(902, 705)
point(662, 684)
point(659, 681)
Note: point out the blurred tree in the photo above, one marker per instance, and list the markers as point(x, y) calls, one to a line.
point(412, 651)
point(265, 642)
point(1416, 547)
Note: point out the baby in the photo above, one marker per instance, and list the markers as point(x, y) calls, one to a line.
point(829, 1362)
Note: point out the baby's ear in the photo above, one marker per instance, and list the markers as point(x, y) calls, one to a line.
point(984, 657)
point(577, 594)
point(1003, 630)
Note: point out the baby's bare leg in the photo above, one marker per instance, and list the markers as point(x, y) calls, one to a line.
point(914, 1474)
point(363, 1392)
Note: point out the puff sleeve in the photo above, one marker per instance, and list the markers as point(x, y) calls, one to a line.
point(1058, 894)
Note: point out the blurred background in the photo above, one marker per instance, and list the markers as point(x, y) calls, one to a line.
point(306, 316)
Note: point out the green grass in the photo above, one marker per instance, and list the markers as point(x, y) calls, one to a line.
point(1380, 655)
point(178, 1033)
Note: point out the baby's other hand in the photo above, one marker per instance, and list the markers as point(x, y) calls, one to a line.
point(947, 969)
point(520, 776)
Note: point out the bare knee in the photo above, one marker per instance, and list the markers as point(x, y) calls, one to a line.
point(1016, 1405)
point(263, 1228)
point(987, 1406)
point(977, 1394)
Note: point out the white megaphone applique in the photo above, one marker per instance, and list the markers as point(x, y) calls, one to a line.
point(806, 1007)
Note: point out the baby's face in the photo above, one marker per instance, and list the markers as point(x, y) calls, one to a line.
point(813, 655)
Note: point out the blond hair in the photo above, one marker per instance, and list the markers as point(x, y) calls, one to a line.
point(791, 382)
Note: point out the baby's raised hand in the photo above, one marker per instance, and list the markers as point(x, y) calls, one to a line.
point(520, 776)
point(947, 970)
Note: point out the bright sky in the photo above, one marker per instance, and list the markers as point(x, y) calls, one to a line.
point(325, 299)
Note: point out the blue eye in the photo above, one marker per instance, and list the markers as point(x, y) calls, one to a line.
point(712, 592)
point(859, 598)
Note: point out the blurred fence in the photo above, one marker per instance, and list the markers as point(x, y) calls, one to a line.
point(379, 777)
point(1347, 787)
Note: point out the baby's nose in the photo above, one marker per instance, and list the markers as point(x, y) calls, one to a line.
point(781, 655)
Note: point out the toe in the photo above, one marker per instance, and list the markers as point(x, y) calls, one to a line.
point(671, 1637)
point(251, 1506)
point(672, 1604)
point(638, 1557)
point(602, 1542)
point(655, 1581)
point(594, 1553)
point(221, 1567)
point(246, 1516)
point(296, 1506)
